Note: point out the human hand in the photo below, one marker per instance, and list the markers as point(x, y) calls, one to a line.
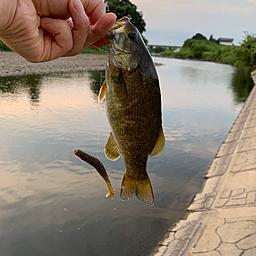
point(43, 30)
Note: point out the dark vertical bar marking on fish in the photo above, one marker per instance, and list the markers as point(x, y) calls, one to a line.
point(97, 164)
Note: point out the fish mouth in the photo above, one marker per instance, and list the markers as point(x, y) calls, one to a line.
point(112, 35)
point(120, 23)
point(118, 27)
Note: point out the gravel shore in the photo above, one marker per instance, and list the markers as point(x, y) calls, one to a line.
point(11, 64)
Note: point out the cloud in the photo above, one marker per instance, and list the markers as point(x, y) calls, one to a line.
point(222, 18)
point(251, 1)
point(241, 10)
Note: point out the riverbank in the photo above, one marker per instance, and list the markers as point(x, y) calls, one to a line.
point(199, 48)
point(11, 64)
point(206, 51)
point(222, 218)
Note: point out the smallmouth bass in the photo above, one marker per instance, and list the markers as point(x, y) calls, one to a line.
point(133, 106)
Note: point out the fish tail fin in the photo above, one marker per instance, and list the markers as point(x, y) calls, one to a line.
point(141, 188)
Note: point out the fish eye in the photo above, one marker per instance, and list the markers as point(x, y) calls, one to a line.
point(132, 36)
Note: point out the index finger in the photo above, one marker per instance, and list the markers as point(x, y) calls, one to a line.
point(94, 9)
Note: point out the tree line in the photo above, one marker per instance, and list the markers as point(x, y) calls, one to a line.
point(199, 47)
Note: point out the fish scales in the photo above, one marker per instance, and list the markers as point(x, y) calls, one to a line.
point(133, 120)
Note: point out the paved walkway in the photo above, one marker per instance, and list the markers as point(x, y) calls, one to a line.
point(222, 219)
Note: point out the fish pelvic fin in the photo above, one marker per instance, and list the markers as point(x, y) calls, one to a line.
point(160, 144)
point(102, 93)
point(111, 150)
point(141, 188)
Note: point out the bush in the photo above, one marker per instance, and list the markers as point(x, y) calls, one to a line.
point(247, 51)
point(209, 56)
point(198, 49)
point(188, 43)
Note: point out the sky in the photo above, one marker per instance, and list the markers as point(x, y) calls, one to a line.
point(171, 22)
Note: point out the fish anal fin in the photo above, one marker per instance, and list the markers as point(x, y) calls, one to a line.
point(111, 150)
point(141, 188)
point(160, 144)
point(102, 93)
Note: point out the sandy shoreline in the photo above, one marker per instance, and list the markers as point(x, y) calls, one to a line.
point(11, 64)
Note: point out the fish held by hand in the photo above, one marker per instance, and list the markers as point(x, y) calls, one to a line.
point(133, 107)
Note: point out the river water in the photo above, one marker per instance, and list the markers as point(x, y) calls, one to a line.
point(52, 203)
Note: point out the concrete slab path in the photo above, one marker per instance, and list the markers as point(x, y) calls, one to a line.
point(222, 218)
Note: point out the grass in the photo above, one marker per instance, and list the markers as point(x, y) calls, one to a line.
point(103, 50)
point(3, 47)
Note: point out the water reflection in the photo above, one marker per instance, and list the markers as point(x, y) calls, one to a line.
point(16, 85)
point(51, 203)
point(97, 79)
point(242, 84)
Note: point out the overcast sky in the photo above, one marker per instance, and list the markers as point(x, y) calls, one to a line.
point(171, 22)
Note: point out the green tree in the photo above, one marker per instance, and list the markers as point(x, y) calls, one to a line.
point(199, 36)
point(247, 50)
point(194, 40)
point(125, 8)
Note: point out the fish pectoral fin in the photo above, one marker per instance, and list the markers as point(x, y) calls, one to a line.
point(160, 144)
point(102, 93)
point(111, 150)
point(141, 188)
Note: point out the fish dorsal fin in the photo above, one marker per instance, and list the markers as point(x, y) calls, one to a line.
point(141, 188)
point(102, 93)
point(160, 144)
point(111, 150)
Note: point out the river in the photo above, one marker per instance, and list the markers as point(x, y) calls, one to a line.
point(53, 204)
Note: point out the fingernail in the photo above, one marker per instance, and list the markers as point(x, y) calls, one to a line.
point(46, 20)
point(79, 7)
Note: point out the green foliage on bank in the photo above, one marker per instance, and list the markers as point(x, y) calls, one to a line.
point(4, 47)
point(246, 53)
point(242, 84)
point(91, 50)
point(238, 56)
point(205, 50)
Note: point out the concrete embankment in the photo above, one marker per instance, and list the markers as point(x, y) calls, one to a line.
point(222, 218)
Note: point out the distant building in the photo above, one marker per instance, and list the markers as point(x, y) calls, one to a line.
point(225, 41)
